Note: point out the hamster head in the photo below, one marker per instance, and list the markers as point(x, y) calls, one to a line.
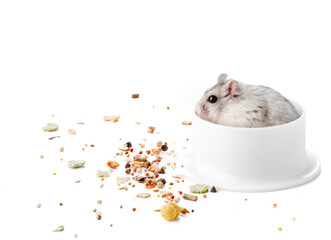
point(214, 99)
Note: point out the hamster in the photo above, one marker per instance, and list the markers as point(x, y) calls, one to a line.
point(235, 104)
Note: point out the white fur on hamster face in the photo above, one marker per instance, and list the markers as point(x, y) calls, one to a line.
point(215, 98)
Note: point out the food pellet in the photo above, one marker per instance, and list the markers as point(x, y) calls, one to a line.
point(61, 149)
point(42, 156)
point(99, 201)
point(170, 211)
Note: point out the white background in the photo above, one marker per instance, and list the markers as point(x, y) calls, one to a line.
point(82, 60)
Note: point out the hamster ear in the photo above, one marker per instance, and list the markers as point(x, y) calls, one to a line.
point(232, 86)
point(221, 78)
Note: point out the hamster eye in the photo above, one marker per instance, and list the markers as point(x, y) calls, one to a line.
point(212, 99)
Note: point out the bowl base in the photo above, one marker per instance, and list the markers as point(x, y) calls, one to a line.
point(238, 184)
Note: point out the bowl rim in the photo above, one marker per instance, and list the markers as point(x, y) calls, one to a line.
point(295, 103)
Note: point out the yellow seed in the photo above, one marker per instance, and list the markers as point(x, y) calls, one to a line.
point(280, 229)
point(293, 219)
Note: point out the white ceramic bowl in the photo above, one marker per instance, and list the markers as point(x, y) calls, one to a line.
point(250, 159)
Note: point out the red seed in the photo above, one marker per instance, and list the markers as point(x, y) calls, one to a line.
point(147, 174)
point(140, 152)
point(131, 150)
point(180, 192)
point(158, 160)
point(157, 175)
point(172, 197)
point(148, 152)
point(126, 153)
point(133, 209)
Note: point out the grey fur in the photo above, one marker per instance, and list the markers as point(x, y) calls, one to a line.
point(243, 105)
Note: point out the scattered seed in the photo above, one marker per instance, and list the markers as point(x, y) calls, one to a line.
point(143, 195)
point(50, 127)
point(150, 129)
point(42, 156)
point(76, 163)
point(184, 210)
point(59, 229)
point(111, 118)
point(61, 149)
point(51, 138)
point(113, 164)
point(136, 95)
point(72, 132)
point(99, 201)
point(39, 205)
